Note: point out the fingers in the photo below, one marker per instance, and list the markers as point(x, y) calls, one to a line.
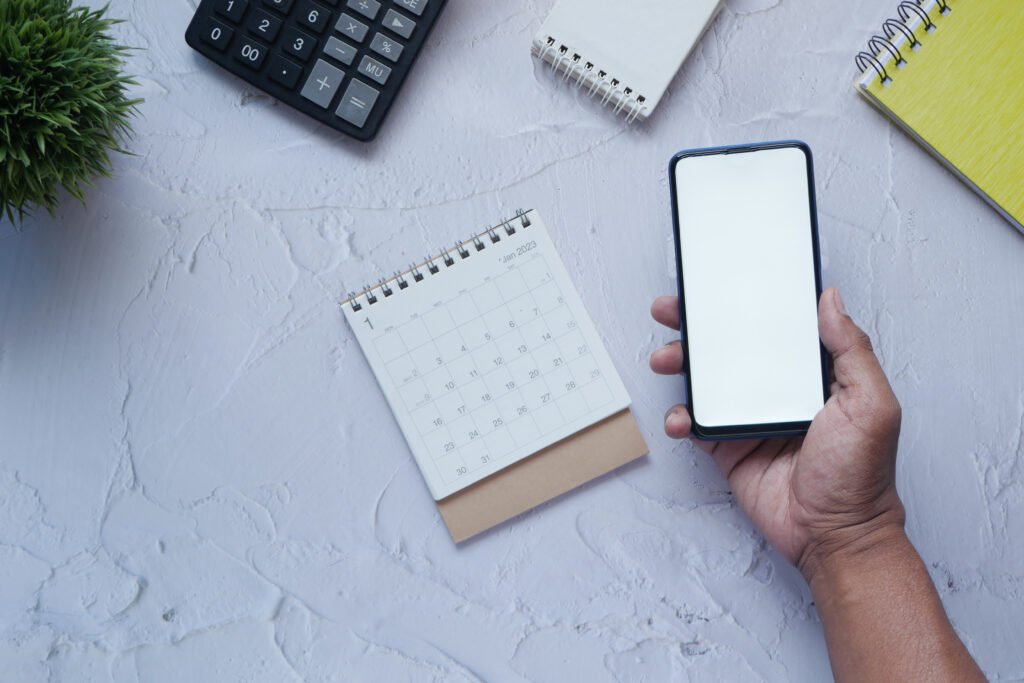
point(677, 422)
point(668, 360)
point(665, 310)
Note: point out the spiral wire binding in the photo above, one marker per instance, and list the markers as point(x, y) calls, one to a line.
point(908, 11)
point(432, 265)
point(574, 68)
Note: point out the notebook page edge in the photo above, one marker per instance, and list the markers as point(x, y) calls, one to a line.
point(894, 118)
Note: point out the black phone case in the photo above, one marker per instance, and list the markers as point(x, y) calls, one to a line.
point(755, 431)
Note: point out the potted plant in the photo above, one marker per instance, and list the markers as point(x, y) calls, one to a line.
point(63, 102)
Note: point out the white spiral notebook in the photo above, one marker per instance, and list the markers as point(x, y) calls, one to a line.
point(491, 367)
point(623, 54)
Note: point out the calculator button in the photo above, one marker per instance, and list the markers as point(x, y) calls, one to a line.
point(372, 68)
point(414, 6)
point(398, 23)
point(232, 9)
point(264, 24)
point(280, 5)
point(250, 53)
point(299, 44)
point(387, 48)
point(284, 71)
point(357, 103)
point(352, 28)
point(368, 8)
point(216, 34)
point(313, 16)
point(322, 83)
point(340, 50)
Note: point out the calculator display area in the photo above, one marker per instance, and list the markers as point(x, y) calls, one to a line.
point(747, 256)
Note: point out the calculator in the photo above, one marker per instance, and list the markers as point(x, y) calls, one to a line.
point(340, 61)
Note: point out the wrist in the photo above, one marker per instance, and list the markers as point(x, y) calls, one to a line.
point(857, 572)
point(857, 548)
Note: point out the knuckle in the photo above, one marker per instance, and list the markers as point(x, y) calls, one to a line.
point(889, 414)
point(863, 341)
point(878, 411)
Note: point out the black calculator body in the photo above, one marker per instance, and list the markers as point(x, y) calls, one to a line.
point(340, 61)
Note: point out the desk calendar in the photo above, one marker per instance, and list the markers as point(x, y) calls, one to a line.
point(486, 354)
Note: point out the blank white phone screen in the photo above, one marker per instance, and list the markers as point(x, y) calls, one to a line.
point(750, 301)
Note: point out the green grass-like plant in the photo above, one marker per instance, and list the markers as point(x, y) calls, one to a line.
point(63, 106)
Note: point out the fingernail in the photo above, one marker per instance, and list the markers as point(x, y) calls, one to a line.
point(674, 419)
point(839, 302)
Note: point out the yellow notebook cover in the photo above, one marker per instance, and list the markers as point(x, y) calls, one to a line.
point(951, 74)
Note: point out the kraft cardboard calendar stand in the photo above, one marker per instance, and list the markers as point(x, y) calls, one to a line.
point(547, 474)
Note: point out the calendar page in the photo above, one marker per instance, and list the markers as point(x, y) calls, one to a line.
point(486, 354)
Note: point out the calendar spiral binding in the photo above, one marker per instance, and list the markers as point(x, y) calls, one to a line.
point(574, 67)
point(882, 50)
point(387, 286)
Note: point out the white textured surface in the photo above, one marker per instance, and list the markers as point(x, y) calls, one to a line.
point(199, 479)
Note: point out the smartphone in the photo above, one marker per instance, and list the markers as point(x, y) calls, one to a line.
point(749, 273)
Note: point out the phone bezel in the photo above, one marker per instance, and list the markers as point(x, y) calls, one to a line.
point(746, 431)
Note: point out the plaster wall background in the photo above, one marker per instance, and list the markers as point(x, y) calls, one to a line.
point(199, 479)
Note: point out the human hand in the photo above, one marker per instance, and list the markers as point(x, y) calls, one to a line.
point(834, 488)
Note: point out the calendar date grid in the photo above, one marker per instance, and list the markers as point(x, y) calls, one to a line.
point(489, 338)
point(477, 458)
point(481, 420)
point(512, 423)
point(469, 350)
point(542, 377)
point(499, 361)
point(480, 316)
point(512, 388)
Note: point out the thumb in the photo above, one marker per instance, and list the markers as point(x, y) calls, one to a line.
point(853, 360)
